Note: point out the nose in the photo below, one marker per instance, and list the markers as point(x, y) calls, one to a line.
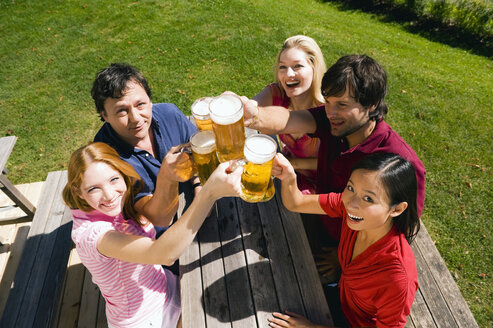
point(290, 72)
point(108, 193)
point(352, 202)
point(330, 109)
point(133, 115)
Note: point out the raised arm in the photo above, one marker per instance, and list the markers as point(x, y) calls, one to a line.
point(160, 207)
point(292, 197)
point(169, 247)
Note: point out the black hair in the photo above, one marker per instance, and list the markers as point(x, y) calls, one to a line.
point(365, 78)
point(111, 82)
point(398, 178)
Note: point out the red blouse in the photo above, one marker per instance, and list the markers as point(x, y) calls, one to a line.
point(377, 287)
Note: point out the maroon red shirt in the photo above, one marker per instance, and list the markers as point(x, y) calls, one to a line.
point(377, 287)
point(335, 160)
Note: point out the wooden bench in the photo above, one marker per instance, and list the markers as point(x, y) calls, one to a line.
point(438, 302)
point(35, 291)
point(6, 147)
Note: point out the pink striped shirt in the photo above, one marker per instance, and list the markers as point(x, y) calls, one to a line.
point(132, 291)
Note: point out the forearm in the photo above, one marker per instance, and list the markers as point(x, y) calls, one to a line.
point(162, 206)
point(304, 163)
point(171, 245)
point(264, 123)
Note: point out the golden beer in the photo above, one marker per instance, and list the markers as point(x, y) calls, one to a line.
point(271, 190)
point(259, 154)
point(204, 154)
point(227, 123)
point(201, 115)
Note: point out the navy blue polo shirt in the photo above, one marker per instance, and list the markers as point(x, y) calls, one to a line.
point(170, 128)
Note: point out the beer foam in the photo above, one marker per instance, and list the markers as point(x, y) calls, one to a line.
point(259, 148)
point(201, 106)
point(203, 142)
point(226, 109)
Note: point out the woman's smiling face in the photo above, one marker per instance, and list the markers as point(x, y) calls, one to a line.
point(103, 188)
point(366, 202)
point(295, 72)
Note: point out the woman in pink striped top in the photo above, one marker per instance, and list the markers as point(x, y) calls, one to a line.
point(119, 247)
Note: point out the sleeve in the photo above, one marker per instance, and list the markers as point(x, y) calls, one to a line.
point(321, 119)
point(88, 240)
point(332, 204)
point(182, 124)
point(391, 302)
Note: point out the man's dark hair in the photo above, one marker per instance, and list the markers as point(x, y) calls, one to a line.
point(111, 82)
point(365, 78)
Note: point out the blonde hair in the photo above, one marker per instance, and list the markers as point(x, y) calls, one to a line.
point(314, 57)
point(100, 152)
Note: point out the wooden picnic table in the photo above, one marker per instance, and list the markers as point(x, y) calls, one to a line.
point(6, 146)
point(247, 261)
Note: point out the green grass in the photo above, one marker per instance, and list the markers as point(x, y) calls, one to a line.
point(439, 96)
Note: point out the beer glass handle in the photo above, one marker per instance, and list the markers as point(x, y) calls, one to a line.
point(236, 163)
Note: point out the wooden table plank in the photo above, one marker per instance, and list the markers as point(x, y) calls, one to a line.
point(191, 297)
point(29, 256)
point(68, 311)
point(446, 285)
point(257, 258)
point(240, 300)
point(89, 303)
point(215, 293)
point(6, 146)
point(316, 307)
point(282, 265)
point(420, 315)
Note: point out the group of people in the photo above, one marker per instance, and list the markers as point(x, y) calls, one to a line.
point(339, 159)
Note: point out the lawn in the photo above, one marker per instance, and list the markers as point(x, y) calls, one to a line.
point(439, 96)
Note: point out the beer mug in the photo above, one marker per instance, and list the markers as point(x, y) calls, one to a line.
point(227, 123)
point(200, 113)
point(204, 155)
point(259, 152)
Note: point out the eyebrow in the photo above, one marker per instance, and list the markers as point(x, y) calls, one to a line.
point(367, 191)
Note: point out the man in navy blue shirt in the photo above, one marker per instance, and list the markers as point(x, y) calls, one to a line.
point(146, 135)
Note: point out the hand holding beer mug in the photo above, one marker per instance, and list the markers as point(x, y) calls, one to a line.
point(204, 154)
point(201, 115)
point(226, 112)
point(178, 165)
point(259, 152)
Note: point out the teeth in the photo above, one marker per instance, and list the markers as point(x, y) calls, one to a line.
point(292, 83)
point(353, 217)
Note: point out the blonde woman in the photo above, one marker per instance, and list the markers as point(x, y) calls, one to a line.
point(298, 72)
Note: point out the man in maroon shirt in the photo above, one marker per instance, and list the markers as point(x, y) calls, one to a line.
point(350, 126)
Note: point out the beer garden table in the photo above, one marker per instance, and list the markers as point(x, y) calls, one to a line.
point(6, 147)
point(247, 261)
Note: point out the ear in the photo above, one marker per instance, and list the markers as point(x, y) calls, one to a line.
point(397, 210)
point(103, 114)
point(372, 108)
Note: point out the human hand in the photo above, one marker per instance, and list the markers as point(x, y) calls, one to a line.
point(282, 168)
point(177, 165)
point(224, 181)
point(290, 319)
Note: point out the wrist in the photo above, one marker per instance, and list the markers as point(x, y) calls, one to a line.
point(254, 119)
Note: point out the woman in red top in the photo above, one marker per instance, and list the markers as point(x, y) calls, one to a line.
point(298, 72)
point(379, 277)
